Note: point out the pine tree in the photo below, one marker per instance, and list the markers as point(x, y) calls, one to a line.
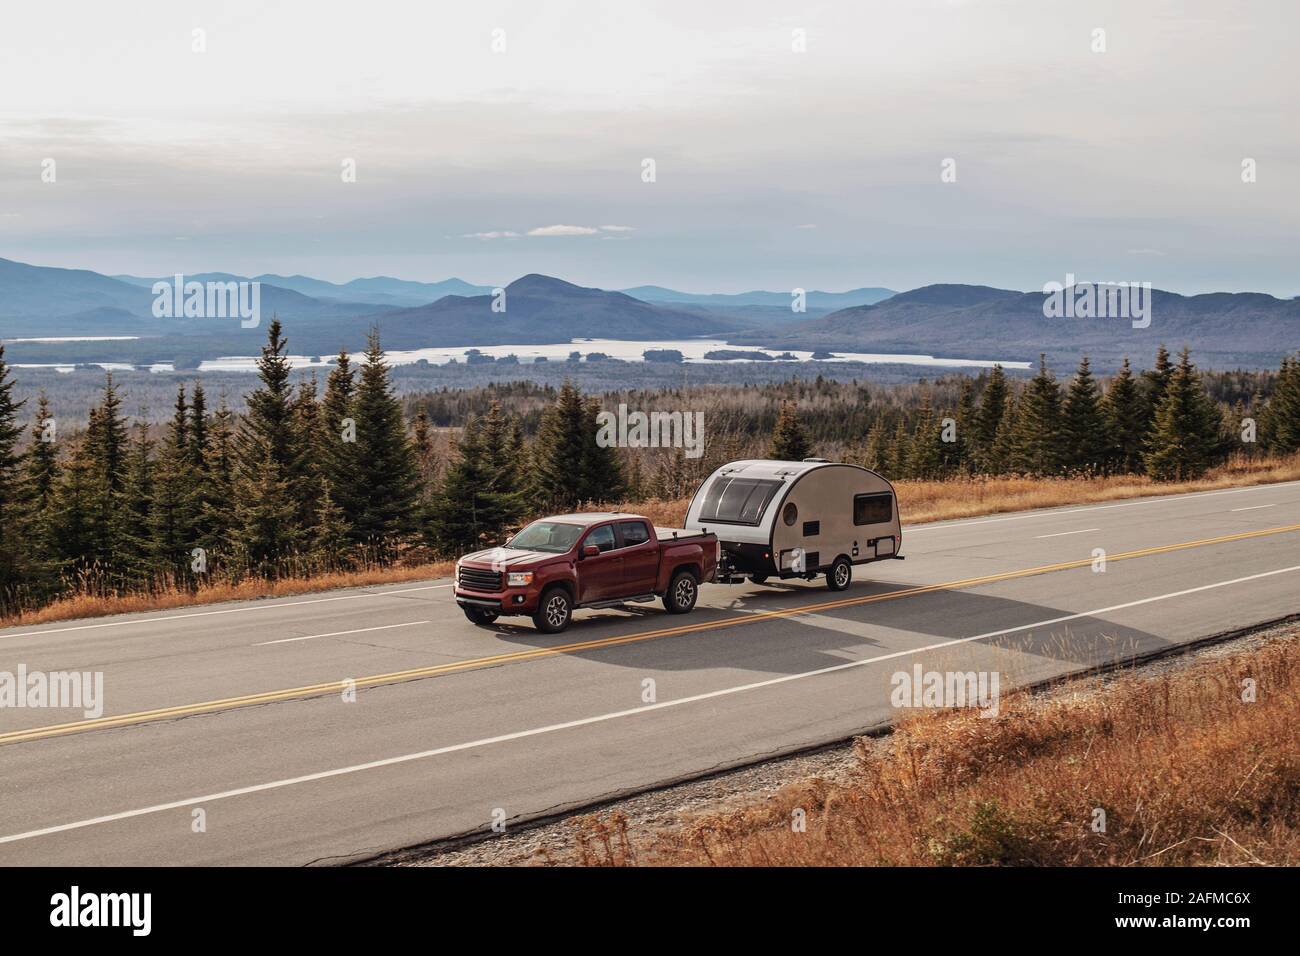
point(331, 546)
point(336, 448)
point(270, 460)
point(790, 440)
point(875, 453)
point(14, 563)
point(470, 512)
point(558, 451)
point(1187, 439)
point(900, 451)
point(175, 509)
point(601, 471)
point(1280, 425)
point(924, 460)
point(993, 406)
point(1087, 447)
point(43, 456)
point(1126, 422)
point(384, 463)
point(138, 505)
point(960, 454)
point(1000, 459)
point(1037, 445)
point(1154, 383)
point(217, 508)
point(503, 446)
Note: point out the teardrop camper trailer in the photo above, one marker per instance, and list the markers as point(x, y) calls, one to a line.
point(797, 519)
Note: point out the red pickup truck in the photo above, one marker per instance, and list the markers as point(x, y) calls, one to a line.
point(565, 562)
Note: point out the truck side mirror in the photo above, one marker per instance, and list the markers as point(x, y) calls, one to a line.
point(590, 551)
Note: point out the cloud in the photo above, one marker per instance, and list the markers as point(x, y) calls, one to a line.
point(563, 231)
point(617, 228)
point(498, 234)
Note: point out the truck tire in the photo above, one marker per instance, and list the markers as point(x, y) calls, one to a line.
point(554, 611)
point(840, 576)
point(480, 615)
point(682, 591)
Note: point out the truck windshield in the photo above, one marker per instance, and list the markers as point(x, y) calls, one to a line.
point(547, 536)
point(738, 500)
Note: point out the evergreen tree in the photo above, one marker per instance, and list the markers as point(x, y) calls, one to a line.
point(790, 440)
point(384, 463)
point(217, 507)
point(336, 439)
point(1126, 422)
point(1186, 440)
point(993, 406)
point(875, 453)
point(600, 468)
point(900, 451)
point(558, 451)
point(331, 546)
point(1037, 446)
point(925, 459)
point(43, 456)
point(1280, 425)
point(175, 509)
point(1087, 447)
point(1000, 459)
point(138, 505)
point(271, 459)
point(470, 511)
point(1154, 383)
point(14, 565)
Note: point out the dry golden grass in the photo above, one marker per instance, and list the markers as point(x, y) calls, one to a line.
point(922, 501)
point(95, 605)
point(1185, 770)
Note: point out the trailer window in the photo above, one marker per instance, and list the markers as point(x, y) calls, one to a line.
point(738, 500)
point(873, 509)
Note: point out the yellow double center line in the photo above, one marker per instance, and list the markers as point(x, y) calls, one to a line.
point(437, 670)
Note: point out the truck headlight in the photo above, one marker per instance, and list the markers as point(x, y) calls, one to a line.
point(519, 579)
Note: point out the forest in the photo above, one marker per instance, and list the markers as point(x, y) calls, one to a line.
point(309, 480)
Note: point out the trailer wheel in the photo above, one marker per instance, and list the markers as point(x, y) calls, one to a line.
point(682, 591)
point(758, 578)
point(480, 615)
point(553, 611)
point(840, 575)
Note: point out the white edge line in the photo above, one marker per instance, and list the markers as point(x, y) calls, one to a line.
point(227, 610)
point(1062, 533)
point(1257, 507)
point(1152, 500)
point(602, 718)
point(359, 630)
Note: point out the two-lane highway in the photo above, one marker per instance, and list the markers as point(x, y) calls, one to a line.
point(335, 726)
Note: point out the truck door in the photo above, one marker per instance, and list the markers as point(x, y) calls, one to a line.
point(640, 558)
point(600, 577)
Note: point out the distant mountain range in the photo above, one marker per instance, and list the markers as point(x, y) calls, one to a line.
point(952, 321)
point(1221, 328)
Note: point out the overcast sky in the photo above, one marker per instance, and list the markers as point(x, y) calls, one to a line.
point(774, 168)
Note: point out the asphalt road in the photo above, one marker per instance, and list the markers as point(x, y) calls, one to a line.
point(228, 737)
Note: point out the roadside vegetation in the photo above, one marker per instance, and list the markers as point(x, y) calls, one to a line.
point(315, 487)
point(1185, 767)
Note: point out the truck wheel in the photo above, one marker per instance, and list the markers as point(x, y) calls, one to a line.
point(682, 591)
point(553, 611)
point(840, 574)
point(480, 615)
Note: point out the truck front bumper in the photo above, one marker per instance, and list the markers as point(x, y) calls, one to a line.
point(510, 601)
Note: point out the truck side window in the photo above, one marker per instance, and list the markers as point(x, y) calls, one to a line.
point(634, 533)
point(602, 537)
point(873, 509)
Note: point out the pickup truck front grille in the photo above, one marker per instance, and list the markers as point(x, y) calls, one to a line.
point(478, 579)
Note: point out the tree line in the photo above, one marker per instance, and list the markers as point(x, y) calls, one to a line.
point(311, 481)
point(302, 483)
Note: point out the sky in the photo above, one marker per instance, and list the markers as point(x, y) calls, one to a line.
point(795, 145)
